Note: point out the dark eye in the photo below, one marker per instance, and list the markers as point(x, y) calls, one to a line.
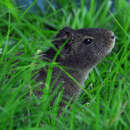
point(88, 41)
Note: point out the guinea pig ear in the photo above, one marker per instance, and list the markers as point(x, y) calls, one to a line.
point(64, 34)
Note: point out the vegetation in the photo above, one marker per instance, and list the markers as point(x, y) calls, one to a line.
point(23, 34)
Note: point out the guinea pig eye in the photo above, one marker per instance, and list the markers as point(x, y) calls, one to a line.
point(87, 41)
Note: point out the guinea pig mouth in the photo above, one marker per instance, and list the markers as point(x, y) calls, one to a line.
point(111, 46)
point(111, 43)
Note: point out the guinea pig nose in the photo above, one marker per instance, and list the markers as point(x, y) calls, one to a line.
point(112, 37)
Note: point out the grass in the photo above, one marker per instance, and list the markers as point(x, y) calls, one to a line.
point(107, 107)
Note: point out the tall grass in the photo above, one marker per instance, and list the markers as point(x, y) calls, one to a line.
point(22, 34)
